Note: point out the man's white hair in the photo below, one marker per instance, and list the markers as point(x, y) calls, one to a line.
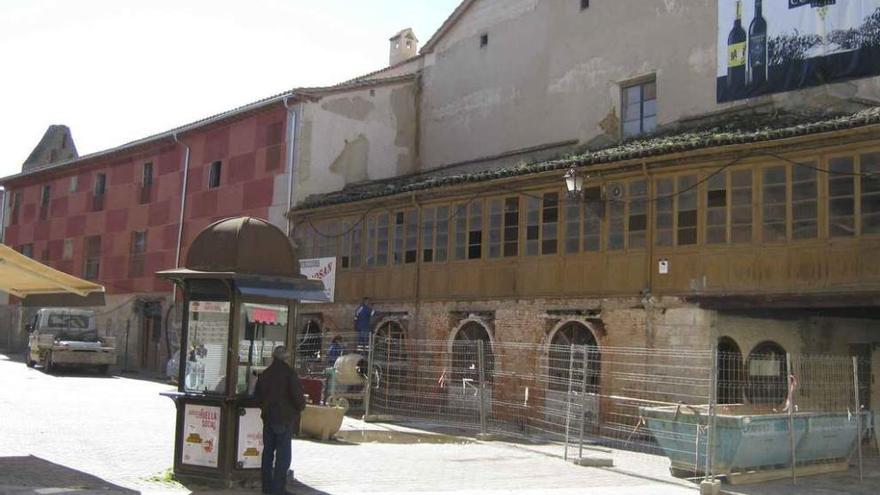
point(279, 353)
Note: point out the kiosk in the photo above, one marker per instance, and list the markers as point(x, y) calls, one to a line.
point(241, 286)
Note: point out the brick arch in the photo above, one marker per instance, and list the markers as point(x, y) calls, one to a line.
point(463, 357)
point(490, 331)
point(556, 360)
point(590, 326)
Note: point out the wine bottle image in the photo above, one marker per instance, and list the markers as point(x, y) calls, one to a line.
point(757, 68)
point(736, 55)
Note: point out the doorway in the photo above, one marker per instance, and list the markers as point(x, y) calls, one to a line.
point(730, 372)
point(151, 337)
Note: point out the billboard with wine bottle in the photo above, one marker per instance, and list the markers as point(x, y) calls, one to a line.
point(771, 46)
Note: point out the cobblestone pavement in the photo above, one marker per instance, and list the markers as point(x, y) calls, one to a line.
point(88, 434)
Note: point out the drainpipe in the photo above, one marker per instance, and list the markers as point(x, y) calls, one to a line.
point(182, 210)
point(3, 215)
point(291, 156)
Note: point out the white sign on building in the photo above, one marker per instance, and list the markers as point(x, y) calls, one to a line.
point(323, 269)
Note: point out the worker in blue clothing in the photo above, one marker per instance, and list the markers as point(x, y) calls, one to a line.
point(363, 316)
point(335, 350)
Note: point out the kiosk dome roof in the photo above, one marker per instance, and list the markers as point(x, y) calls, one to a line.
point(243, 245)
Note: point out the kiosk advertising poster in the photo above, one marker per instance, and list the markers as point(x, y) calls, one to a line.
point(201, 435)
point(323, 269)
point(771, 46)
point(250, 438)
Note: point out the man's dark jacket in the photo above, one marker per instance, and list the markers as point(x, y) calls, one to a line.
point(280, 395)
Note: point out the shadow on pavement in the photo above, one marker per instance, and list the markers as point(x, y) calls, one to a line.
point(302, 489)
point(827, 484)
point(296, 486)
point(32, 475)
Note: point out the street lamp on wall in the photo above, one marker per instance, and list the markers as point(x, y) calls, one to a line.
point(574, 184)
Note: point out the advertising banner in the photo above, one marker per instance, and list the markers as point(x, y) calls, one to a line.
point(201, 435)
point(771, 46)
point(250, 438)
point(323, 269)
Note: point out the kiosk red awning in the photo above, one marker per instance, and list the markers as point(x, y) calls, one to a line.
point(266, 316)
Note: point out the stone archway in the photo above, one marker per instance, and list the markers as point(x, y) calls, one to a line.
point(561, 370)
point(389, 338)
point(766, 372)
point(730, 372)
point(465, 342)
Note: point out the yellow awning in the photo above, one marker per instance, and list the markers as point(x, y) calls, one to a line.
point(23, 277)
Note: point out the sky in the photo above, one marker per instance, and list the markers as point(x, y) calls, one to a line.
point(119, 70)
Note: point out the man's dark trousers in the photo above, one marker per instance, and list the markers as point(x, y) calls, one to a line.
point(276, 457)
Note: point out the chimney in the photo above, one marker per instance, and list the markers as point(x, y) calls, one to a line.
point(56, 146)
point(404, 45)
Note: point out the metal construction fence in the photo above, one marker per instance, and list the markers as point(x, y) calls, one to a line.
point(701, 413)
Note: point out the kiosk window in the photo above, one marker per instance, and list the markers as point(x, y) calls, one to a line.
point(207, 337)
point(264, 328)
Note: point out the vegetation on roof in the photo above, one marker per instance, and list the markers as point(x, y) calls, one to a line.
point(734, 130)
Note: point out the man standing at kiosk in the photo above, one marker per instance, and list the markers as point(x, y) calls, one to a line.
point(281, 399)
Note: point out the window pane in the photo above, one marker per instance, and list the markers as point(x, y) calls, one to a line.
point(663, 224)
point(357, 235)
point(870, 193)
point(511, 227)
point(573, 228)
point(441, 249)
point(208, 331)
point(686, 214)
point(382, 240)
point(650, 90)
point(716, 209)
point(774, 204)
point(804, 204)
point(460, 232)
point(632, 95)
point(496, 225)
point(593, 211)
point(638, 219)
point(549, 223)
point(741, 206)
point(399, 229)
point(649, 108)
point(327, 233)
point(428, 216)
point(412, 237)
point(616, 224)
point(475, 230)
point(841, 198)
point(371, 242)
point(533, 233)
point(632, 113)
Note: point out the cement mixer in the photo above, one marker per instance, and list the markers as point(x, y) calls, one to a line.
point(347, 380)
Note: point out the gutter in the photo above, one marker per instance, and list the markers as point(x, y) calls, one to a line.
point(292, 142)
point(182, 209)
point(3, 214)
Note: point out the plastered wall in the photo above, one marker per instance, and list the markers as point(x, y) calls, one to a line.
point(551, 72)
point(356, 136)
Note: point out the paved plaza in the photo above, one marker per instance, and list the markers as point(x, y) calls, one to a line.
point(86, 434)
